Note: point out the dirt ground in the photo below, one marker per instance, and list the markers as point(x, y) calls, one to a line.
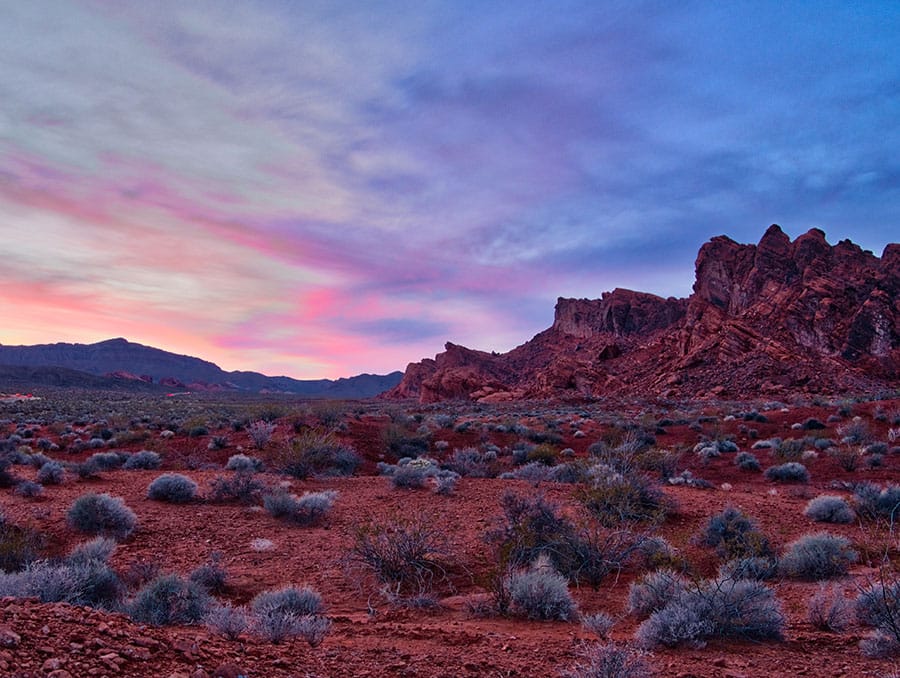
point(370, 636)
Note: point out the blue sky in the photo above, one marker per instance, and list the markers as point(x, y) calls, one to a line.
point(323, 188)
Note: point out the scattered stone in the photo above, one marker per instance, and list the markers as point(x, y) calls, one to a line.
point(8, 637)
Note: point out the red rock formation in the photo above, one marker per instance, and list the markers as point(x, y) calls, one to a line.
point(771, 318)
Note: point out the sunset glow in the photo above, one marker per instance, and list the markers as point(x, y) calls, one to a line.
point(319, 189)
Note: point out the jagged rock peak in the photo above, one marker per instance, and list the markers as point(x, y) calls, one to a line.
point(619, 312)
point(776, 317)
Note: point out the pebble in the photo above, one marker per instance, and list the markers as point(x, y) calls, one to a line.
point(8, 637)
point(228, 670)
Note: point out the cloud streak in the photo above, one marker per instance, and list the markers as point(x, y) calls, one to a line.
point(316, 190)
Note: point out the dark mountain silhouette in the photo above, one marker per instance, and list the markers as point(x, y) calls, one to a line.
point(118, 362)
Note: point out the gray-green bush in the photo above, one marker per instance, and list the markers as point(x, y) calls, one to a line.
point(173, 488)
point(145, 460)
point(611, 661)
point(724, 608)
point(102, 514)
point(829, 509)
point(654, 591)
point(791, 472)
point(734, 535)
point(308, 509)
point(540, 592)
point(168, 600)
point(818, 556)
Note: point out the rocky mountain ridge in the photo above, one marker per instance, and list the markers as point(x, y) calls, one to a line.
point(769, 319)
point(121, 362)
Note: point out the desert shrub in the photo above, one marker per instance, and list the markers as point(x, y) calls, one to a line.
point(228, 621)
point(444, 485)
point(540, 592)
point(28, 489)
point(211, 575)
point(848, 458)
point(34, 460)
point(242, 486)
point(399, 442)
point(145, 460)
point(217, 443)
point(169, 599)
point(90, 583)
point(102, 514)
point(140, 571)
point(611, 661)
point(98, 549)
point(86, 470)
point(656, 553)
point(242, 462)
point(812, 424)
point(880, 645)
point(617, 499)
point(308, 509)
point(411, 555)
point(746, 461)
point(855, 432)
point(878, 605)
point(829, 610)
point(410, 476)
point(7, 477)
point(725, 608)
point(290, 612)
point(591, 554)
point(688, 479)
point(469, 462)
point(734, 535)
point(198, 431)
point(106, 461)
point(261, 433)
point(874, 502)
point(818, 556)
point(598, 623)
point(532, 527)
point(792, 472)
point(275, 626)
point(314, 453)
point(173, 488)
point(51, 473)
point(19, 546)
point(544, 454)
point(829, 509)
point(756, 568)
point(301, 601)
point(653, 592)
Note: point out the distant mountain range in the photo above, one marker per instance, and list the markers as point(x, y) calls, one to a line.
point(121, 363)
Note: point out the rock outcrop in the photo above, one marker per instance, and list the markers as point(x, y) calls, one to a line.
point(768, 319)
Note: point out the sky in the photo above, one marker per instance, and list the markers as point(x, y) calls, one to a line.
point(320, 189)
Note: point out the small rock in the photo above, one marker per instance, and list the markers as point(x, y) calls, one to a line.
point(228, 670)
point(185, 646)
point(51, 664)
point(59, 673)
point(8, 637)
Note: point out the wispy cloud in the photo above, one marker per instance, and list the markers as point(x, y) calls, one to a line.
point(319, 189)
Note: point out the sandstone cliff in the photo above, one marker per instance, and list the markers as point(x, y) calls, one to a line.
point(767, 319)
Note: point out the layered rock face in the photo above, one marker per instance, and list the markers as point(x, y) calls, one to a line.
point(768, 319)
point(618, 312)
